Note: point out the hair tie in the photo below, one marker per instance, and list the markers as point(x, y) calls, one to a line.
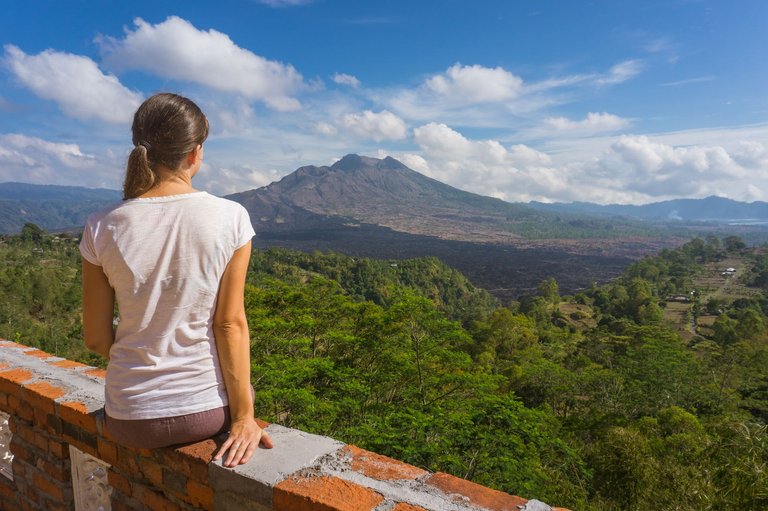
point(146, 145)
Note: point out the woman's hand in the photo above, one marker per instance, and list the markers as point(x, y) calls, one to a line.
point(244, 438)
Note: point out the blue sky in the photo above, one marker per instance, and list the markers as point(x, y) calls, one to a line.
point(602, 101)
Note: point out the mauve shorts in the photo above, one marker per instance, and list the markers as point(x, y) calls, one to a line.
point(167, 431)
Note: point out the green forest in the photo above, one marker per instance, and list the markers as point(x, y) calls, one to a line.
point(650, 392)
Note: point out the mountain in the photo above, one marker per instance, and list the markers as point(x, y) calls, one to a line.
point(51, 207)
point(386, 193)
point(710, 209)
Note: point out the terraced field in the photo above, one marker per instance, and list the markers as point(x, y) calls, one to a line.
point(713, 282)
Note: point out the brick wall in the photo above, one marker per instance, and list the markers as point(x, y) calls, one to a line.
point(55, 403)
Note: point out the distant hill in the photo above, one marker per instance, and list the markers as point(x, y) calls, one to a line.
point(710, 209)
point(51, 207)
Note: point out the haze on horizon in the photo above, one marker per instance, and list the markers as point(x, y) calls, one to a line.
point(599, 101)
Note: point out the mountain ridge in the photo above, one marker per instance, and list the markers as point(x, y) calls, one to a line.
point(712, 208)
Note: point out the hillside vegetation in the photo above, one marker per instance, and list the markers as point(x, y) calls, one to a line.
point(606, 400)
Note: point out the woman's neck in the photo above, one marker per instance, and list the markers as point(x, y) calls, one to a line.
point(170, 183)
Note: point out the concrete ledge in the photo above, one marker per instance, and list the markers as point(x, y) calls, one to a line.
point(53, 402)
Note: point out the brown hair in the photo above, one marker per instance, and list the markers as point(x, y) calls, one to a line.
point(166, 128)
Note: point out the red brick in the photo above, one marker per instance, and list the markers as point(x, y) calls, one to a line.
point(200, 495)
point(87, 447)
point(76, 413)
point(40, 441)
point(56, 506)
point(25, 412)
point(191, 460)
point(7, 495)
point(119, 482)
point(49, 488)
point(40, 417)
point(493, 500)
point(380, 467)
point(58, 449)
point(126, 460)
point(56, 470)
point(118, 504)
point(107, 451)
point(67, 364)
point(99, 373)
point(25, 431)
point(37, 354)
point(20, 452)
point(41, 395)
point(11, 380)
point(153, 500)
point(33, 495)
point(13, 402)
point(323, 494)
point(5, 343)
point(152, 471)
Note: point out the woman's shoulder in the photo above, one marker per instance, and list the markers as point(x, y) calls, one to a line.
point(101, 214)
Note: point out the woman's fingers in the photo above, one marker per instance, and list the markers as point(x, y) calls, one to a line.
point(241, 444)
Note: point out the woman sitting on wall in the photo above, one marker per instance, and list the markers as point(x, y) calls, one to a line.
point(175, 260)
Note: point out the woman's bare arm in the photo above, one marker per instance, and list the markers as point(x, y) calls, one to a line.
point(98, 310)
point(234, 346)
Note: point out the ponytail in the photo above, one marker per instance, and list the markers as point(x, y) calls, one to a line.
point(139, 176)
point(169, 126)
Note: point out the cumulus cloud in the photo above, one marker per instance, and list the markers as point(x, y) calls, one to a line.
point(378, 126)
point(475, 84)
point(659, 169)
point(487, 167)
point(175, 49)
point(629, 169)
point(594, 122)
point(345, 79)
point(35, 160)
point(75, 83)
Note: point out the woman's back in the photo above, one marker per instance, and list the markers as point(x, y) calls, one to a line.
point(164, 257)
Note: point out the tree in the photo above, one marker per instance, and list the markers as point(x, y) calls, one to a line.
point(31, 232)
point(734, 244)
point(549, 291)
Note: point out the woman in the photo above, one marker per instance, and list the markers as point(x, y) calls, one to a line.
point(175, 260)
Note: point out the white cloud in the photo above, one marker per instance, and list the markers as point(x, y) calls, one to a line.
point(75, 83)
point(34, 160)
point(486, 167)
point(175, 49)
point(698, 79)
point(475, 84)
point(323, 128)
point(628, 169)
point(345, 79)
point(225, 179)
point(378, 126)
point(621, 72)
point(486, 97)
point(594, 122)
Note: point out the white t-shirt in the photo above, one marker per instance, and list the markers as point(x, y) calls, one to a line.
point(164, 257)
